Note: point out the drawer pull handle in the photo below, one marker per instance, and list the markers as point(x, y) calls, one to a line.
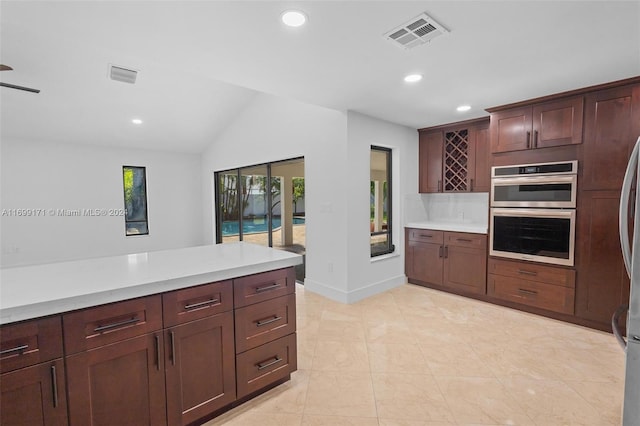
point(525, 291)
point(262, 322)
point(20, 349)
point(200, 304)
point(157, 352)
point(173, 348)
point(426, 236)
point(116, 324)
point(267, 287)
point(54, 386)
point(523, 272)
point(262, 365)
point(464, 240)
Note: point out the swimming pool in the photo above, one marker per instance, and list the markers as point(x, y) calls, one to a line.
point(252, 226)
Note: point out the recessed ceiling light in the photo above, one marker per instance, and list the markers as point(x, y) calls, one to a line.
point(293, 18)
point(463, 108)
point(412, 78)
point(136, 121)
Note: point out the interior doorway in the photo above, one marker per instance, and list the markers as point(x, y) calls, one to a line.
point(263, 204)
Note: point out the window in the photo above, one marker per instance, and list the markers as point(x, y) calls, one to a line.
point(135, 200)
point(380, 201)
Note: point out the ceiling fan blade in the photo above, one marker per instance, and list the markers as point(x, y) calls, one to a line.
point(26, 89)
point(5, 67)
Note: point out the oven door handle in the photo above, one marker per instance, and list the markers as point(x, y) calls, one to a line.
point(528, 180)
point(623, 217)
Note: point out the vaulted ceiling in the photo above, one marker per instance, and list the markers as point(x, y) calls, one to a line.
point(201, 62)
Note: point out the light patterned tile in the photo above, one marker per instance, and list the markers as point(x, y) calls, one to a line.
point(457, 360)
point(552, 402)
point(396, 357)
point(604, 397)
point(341, 356)
point(482, 400)
point(314, 420)
point(410, 397)
point(340, 394)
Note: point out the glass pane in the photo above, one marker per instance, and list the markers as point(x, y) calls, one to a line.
point(379, 202)
point(135, 200)
point(255, 212)
point(228, 208)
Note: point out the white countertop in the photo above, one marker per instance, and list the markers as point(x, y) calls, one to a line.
point(34, 291)
point(473, 228)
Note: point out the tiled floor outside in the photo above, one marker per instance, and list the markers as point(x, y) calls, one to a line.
point(414, 356)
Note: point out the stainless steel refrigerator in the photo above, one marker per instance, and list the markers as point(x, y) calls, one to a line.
point(631, 254)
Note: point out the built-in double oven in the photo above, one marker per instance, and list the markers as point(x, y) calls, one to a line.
point(533, 212)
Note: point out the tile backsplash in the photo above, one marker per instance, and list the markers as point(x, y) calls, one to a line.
point(454, 207)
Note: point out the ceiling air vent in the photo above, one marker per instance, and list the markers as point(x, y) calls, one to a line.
point(417, 31)
point(122, 74)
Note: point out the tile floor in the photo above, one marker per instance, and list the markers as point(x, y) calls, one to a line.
point(415, 356)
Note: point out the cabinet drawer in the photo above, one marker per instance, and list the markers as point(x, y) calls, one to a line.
point(462, 239)
point(31, 342)
point(540, 295)
point(426, 236)
point(260, 287)
point(93, 327)
point(193, 303)
point(266, 321)
point(266, 364)
point(533, 272)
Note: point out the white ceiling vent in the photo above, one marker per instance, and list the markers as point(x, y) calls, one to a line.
point(122, 74)
point(417, 31)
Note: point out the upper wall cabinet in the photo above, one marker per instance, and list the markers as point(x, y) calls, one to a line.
point(612, 125)
point(455, 157)
point(540, 125)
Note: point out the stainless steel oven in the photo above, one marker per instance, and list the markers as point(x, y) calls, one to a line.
point(539, 235)
point(548, 185)
point(532, 215)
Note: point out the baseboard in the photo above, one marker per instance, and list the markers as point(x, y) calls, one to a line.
point(356, 295)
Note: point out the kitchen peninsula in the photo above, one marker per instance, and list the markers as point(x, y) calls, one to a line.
point(164, 337)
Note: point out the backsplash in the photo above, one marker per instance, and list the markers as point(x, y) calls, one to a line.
point(454, 207)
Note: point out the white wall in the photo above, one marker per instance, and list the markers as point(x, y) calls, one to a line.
point(65, 176)
point(271, 129)
point(368, 275)
point(335, 146)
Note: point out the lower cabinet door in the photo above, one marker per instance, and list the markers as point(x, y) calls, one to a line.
point(426, 262)
point(200, 368)
point(465, 269)
point(118, 384)
point(34, 396)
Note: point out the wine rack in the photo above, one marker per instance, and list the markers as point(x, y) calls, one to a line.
point(456, 158)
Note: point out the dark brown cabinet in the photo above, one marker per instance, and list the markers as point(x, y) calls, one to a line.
point(200, 368)
point(118, 384)
point(612, 125)
point(115, 363)
point(454, 158)
point(603, 284)
point(199, 353)
point(452, 260)
point(32, 382)
point(265, 323)
point(540, 286)
point(543, 125)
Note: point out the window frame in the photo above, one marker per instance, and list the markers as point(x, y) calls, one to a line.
point(146, 202)
point(389, 231)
